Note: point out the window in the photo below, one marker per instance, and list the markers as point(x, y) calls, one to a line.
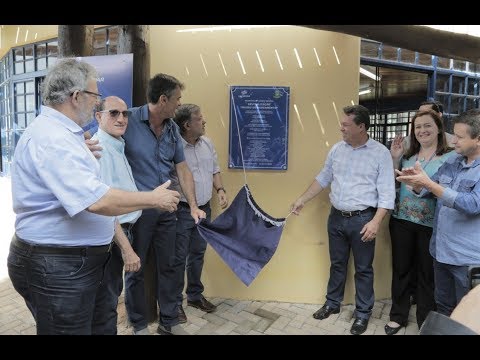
point(22, 71)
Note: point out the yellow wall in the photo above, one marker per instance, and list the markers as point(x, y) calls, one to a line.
point(35, 33)
point(299, 270)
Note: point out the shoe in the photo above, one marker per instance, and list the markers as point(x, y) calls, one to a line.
point(144, 331)
point(359, 326)
point(171, 330)
point(182, 317)
point(389, 330)
point(202, 304)
point(324, 312)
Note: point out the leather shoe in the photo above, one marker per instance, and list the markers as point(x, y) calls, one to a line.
point(359, 326)
point(324, 312)
point(182, 317)
point(392, 330)
point(202, 304)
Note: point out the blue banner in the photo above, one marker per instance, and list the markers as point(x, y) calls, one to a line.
point(115, 77)
point(259, 127)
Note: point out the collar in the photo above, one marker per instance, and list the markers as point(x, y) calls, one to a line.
point(186, 143)
point(106, 138)
point(168, 123)
point(62, 119)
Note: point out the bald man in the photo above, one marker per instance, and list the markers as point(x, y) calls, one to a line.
point(112, 116)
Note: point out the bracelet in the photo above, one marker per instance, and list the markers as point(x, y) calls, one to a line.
point(221, 189)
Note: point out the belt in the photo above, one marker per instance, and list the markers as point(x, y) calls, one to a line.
point(64, 250)
point(354, 212)
point(186, 206)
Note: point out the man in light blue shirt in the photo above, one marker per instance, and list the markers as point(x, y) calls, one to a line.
point(455, 242)
point(359, 170)
point(112, 117)
point(65, 224)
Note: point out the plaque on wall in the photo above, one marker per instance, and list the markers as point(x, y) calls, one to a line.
point(259, 127)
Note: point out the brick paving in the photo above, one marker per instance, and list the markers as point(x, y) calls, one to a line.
point(231, 318)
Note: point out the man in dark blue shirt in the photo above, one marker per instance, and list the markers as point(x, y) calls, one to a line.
point(154, 150)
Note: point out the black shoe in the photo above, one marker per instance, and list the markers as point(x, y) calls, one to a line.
point(324, 312)
point(392, 330)
point(202, 304)
point(359, 326)
point(182, 317)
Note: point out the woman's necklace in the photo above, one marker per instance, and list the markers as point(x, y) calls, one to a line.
point(422, 160)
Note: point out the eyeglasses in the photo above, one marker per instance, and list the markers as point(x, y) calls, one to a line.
point(116, 113)
point(98, 96)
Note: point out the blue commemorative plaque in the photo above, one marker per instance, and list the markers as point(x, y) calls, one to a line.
point(259, 127)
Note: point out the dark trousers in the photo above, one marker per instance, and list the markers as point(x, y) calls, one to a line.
point(411, 257)
point(155, 229)
point(106, 316)
point(343, 235)
point(189, 251)
point(451, 285)
point(61, 291)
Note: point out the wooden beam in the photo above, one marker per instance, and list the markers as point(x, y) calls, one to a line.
point(134, 39)
point(75, 40)
point(416, 38)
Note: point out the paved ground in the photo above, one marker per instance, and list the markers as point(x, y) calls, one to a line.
point(231, 318)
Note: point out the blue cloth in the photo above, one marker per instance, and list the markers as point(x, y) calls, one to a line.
point(152, 159)
point(457, 215)
point(115, 170)
point(360, 177)
point(244, 236)
point(55, 178)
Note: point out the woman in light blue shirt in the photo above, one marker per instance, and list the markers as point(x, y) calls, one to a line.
point(412, 221)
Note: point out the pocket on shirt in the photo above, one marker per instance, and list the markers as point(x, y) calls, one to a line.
point(445, 180)
point(466, 185)
point(167, 149)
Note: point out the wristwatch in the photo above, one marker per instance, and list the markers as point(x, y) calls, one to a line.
point(221, 189)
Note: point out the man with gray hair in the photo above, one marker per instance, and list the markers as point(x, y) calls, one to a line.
point(65, 214)
point(190, 247)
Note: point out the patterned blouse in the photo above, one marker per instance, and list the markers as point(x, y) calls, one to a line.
point(412, 208)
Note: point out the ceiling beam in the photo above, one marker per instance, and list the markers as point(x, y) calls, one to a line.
point(416, 38)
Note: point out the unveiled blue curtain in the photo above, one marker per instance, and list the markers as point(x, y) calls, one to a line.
point(244, 236)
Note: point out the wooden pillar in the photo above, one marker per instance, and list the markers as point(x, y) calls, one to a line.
point(134, 39)
point(75, 40)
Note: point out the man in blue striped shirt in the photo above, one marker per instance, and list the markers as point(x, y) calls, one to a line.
point(455, 242)
point(360, 172)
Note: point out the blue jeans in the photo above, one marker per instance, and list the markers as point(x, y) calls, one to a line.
point(343, 235)
point(155, 229)
point(451, 285)
point(60, 291)
point(189, 250)
point(106, 316)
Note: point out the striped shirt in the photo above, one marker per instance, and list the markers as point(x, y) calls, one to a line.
point(360, 177)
